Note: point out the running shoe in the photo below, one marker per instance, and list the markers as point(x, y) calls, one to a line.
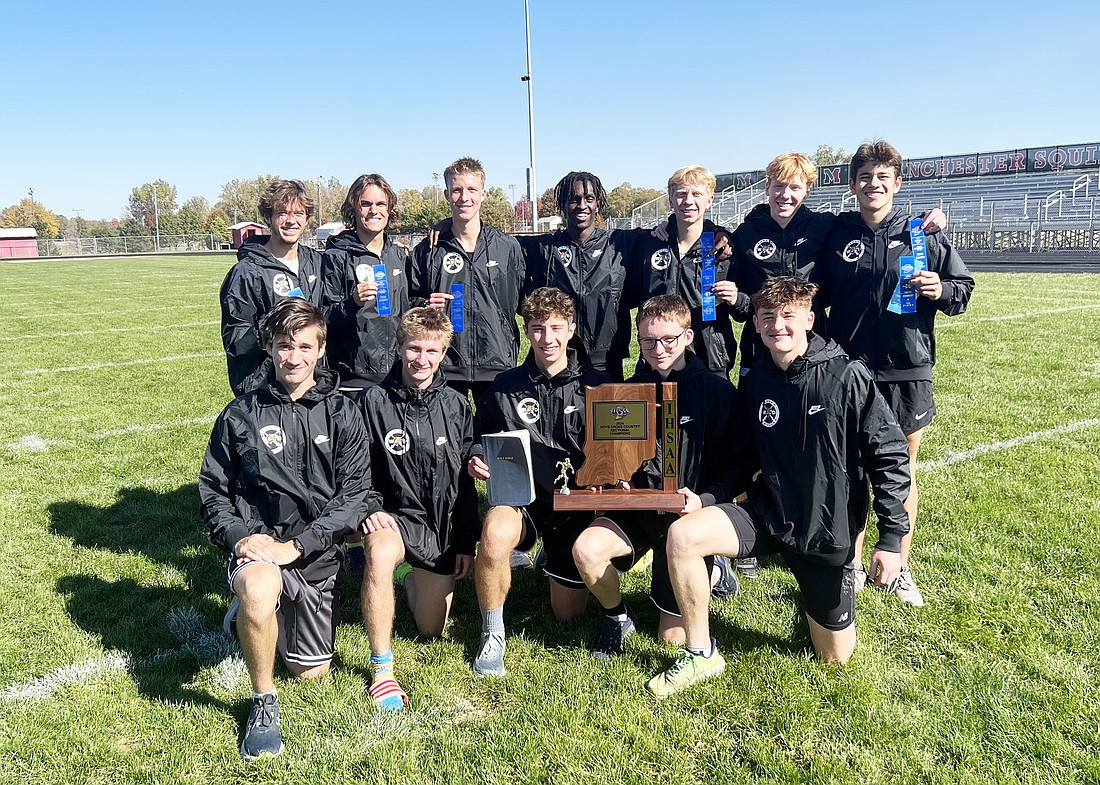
point(262, 734)
point(609, 644)
point(747, 567)
point(905, 589)
point(490, 655)
point(727, 584)
point(687, 670)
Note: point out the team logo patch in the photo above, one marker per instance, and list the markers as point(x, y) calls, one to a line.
point(453, 262)
point(364, 273)
point(765, 249)
point(853, 251)
point(565, 255)
point(528, 410)
point(273, 437)
point(281, 284)
point(660, 259)
point(769, 413)
point(397, 442)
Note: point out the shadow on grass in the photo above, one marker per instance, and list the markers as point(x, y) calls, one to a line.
point(166, 631)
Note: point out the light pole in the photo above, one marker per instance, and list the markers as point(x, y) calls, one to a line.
point(320, 203)
point(435, 176)
point(156, 219)
point(78, 211)
point(513, 187)
point(31, 192)
point(532, 189)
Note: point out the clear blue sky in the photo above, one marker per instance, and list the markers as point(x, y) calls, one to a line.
point(102, 97)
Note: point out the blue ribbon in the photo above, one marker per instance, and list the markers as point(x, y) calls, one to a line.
point(383, 293)
point(458, 307)
point(904, 299)
point(706, 277)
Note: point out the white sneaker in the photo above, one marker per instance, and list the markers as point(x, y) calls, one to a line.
point(905, 589)
point(859, 576)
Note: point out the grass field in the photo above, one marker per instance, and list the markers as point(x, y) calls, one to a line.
point(113, 668)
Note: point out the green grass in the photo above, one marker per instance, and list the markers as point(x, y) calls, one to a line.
point(104, 562)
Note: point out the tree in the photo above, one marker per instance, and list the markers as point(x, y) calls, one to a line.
point(419, 214)
point(623, 199)
point(826, 155)
point(331, 194)
point(32, 214)
point(548, 205)
point(496, 211)
point(523, 212)
point(151, 200)
point(192, 216)
point(240, 199)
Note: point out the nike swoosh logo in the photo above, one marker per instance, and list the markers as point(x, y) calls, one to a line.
point(320, 439)
point(894, 244)
point(800, 240)
point(492, 263)
point(596, 254)
point(440, 441)
point(815, 409)
point(570, 409)
point(685, 420)
point(922, 415)
point(398, 271)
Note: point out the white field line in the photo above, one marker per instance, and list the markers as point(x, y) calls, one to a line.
point(108, 331)
point(174, 296)
point(98, 366)
point(1014, 297)
point(1010, 316)
point(67, 314)
point(186, 624)
point(33, 442)
point(1007, 444)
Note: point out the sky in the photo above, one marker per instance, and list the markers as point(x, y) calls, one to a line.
point(102, 97)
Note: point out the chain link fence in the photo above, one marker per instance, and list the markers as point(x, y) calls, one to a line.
point(92, 246)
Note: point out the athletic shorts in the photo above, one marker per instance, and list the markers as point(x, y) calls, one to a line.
point(559, 530)
point(307, 614)
point(442, 564)
point(910, 401)
point(828, 591)
point(647, 530)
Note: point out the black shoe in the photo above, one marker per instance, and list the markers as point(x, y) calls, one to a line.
point(727, 585)
point(262, 735)
point(229, 623)
point(747, 567)
point(610, 642)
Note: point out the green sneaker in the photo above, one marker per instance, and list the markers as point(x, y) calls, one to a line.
point(687, 670)
point(400, 573)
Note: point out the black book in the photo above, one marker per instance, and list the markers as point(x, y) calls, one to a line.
point(508, 455)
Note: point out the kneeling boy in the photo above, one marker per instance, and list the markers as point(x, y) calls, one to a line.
point(285, 480)
point(544, 396)
point(420, 431)
point(822, 430)
point(710, 430)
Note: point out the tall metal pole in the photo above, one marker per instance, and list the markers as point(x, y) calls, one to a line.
point(156, 217)
point(531, 187)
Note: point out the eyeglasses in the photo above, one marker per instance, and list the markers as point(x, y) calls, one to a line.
point(669, 342)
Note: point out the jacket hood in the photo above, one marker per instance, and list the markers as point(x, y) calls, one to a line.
point(762, 215)
point(896, 219)
point(820, 351)
point(691, 371)
point(572, 370)
point(346, 240)
point(396, 387)
point(327, 383)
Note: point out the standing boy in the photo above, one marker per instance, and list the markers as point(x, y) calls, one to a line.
point(284, 481)
point(822, 431)
point(485, 269)
point(420, 431)
point(863, 287)
point(711, 449)
point(544, 396)
point(365, 274)
point(268, 269)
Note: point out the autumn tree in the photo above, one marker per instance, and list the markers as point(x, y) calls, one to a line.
point(548, 205)
point(192, 216)
point(496, 211)
point(240, 199)
point(826, 155)
point(31, 214)
point(623, 199)
point(150, 201)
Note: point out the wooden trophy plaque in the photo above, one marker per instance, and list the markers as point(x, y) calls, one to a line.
point(620, 435)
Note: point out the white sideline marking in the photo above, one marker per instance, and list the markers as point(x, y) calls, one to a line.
point(982, 449)
point(1007, 317)
point(107, 331)
point(34, 442)
point(185, 623)
point(150, 361)
point(67, 314)
point(177, 296)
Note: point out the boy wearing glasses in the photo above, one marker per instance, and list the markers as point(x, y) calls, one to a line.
point(710, 473)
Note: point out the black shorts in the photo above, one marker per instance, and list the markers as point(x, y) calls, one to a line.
point(828, 591)
point(910, 401)
point(559, 530)
point(647, 530)
point(307, 614)
point(441, 564)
